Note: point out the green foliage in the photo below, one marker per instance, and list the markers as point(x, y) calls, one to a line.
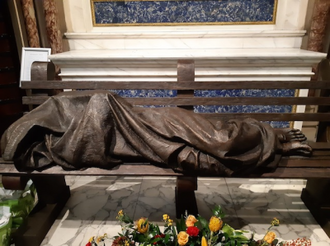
point(126, 219)
point(202, 223)
point(181, 224)
point(228, 230)
point(218, 212)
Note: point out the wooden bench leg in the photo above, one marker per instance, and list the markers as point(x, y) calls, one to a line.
point(317, 200)
point(14, 182)
point(53, 194)
point(185, 196)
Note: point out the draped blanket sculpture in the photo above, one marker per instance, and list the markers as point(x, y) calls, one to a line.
point(99, 129)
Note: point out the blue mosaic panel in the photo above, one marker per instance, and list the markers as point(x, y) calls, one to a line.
point(112, 12)
point(226, 93)
point(146, 93)
point(248, 108)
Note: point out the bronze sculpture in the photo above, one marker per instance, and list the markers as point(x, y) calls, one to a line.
point(99, 129)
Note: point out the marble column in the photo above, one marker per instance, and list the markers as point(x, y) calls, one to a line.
point(320, 18)
point(318, 30)
point(53, 32)
point(30, 23)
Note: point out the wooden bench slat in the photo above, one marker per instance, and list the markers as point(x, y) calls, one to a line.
point(34, 100)
point(230, 101)
point(321, 153)
point(314, 162)
point(271, 116)
point(299, 173)
point(188, 101)
point(172, 85)
point(149, 170)
point(134, 169)
point(319, 145)
point(227, 116)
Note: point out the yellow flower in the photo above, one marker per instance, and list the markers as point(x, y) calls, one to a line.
point(165, 217)
point(269, 237)
point(183, 238)
point(91, 239)
point(126, 243)
point(99, 239)
point(120, 215)
point(275, 222)
point(215, 224)
point(170, 222)
point(190, 221)
point(142, 225)
point(204, 242)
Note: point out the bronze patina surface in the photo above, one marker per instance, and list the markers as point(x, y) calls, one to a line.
point(84, 129)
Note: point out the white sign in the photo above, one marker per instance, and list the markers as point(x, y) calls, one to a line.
point(30, 55)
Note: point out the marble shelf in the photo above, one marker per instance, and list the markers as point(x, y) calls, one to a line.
point(289, 55)
point(211, 64)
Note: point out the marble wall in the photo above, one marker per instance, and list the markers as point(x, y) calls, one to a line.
point(188, 12)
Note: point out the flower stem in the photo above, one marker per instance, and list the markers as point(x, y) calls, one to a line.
point(263, 239)
point(209, 243)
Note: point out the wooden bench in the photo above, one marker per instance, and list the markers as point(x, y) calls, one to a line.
point(50, 183)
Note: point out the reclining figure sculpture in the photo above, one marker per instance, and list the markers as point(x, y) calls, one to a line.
point(84, 129)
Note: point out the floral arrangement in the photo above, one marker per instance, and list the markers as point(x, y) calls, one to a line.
point(190, 231)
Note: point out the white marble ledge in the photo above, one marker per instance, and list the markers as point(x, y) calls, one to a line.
point(182, 33)
point(253, 56)
point(169, 42)
point(114, 70)
point(185, 28)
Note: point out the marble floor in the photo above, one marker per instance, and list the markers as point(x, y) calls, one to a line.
point(248, 203)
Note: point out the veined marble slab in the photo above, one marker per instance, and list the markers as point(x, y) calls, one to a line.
point(257, 56)
point(184, 38)
point(184, 32)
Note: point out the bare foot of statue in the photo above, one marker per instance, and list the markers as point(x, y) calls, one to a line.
point(296, 148)
point(288, 135)
point(293, 142)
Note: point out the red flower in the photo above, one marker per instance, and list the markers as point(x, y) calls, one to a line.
point(120, 241)
point(193, 231)
point(159, 236)
point(88, 244)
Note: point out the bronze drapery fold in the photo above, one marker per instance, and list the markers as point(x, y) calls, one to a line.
point(84, 129)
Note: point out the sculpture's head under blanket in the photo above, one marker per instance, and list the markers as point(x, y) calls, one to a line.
point(99, 129)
